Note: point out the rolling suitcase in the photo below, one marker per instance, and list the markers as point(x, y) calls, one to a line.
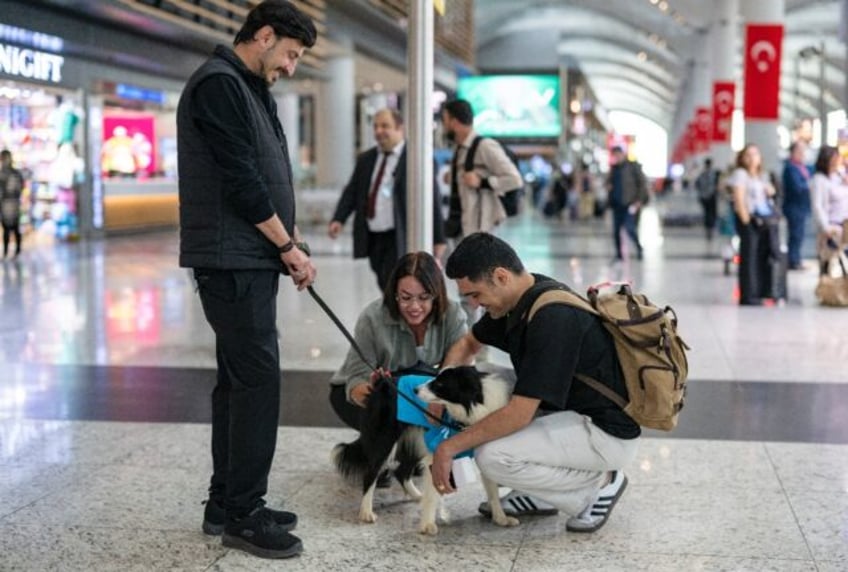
point(777, 284)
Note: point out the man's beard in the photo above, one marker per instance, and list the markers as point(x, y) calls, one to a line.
point(450, 136)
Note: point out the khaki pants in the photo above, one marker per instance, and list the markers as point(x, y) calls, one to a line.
point(560, 458)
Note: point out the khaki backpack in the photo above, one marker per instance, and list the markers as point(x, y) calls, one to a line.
point(651, 353)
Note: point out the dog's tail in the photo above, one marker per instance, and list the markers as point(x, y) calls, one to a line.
point(351, 461)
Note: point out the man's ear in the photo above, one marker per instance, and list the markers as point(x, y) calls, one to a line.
point(501, 276)
point(265, 35)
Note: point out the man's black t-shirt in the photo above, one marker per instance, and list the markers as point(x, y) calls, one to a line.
point(557, 343)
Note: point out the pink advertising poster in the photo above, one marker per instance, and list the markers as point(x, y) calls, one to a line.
point(128, 145)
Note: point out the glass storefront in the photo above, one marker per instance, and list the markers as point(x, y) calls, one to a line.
point(39, 125)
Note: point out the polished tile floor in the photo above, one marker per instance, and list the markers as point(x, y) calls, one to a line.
point(106, 365)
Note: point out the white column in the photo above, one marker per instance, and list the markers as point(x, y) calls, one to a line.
point(288, 110)
point(763, 132)
point(724, 40)
point(336, 119)
point(419, 158)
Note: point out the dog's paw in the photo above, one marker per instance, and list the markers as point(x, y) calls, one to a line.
point(428, 528)
point(367, 516)
point(506, 521)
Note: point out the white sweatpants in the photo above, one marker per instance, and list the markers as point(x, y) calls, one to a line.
point(561, 458)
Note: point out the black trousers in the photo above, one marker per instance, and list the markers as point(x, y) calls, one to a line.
point(347, 411)
point(710, 207)
point(240, 305)
point(759, 247)
point(383, 255)
point(8, 230)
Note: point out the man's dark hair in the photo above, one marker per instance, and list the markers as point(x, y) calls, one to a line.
point(477, 256)
point(460, 110)
point(284, 17)
point(6, 154)
point(826, 154)
point(708, 163)
point(423, 267)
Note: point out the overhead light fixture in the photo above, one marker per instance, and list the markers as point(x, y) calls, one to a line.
point(642, 56)
point(663, 5)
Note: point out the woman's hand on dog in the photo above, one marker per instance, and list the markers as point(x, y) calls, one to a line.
point(359, 394)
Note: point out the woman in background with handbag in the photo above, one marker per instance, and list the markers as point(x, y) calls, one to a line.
point(756, 224)
point(830, 212)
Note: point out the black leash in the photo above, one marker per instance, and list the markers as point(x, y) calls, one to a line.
point(361, 355)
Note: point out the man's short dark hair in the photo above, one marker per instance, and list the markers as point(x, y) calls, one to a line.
point(460, 110)
point(5, 154)
point(708, 163)
point(477, 256)
point(284, 17)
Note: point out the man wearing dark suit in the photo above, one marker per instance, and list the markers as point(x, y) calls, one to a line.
point(377, 193)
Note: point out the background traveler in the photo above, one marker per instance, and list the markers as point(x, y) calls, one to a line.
point(796, 201)
point(628, 191)
point(11, 186)
point(377, 194)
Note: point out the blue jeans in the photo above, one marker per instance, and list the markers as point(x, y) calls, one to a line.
point(623, 218)
point(796, 223)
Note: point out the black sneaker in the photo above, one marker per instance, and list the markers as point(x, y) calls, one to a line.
point(215, 517)
point(258, 534)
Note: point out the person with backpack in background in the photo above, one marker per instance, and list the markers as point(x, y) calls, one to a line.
point(628, 192)
point(558, 443)
point(796, 201)
point(475, 192)
point(706, 186)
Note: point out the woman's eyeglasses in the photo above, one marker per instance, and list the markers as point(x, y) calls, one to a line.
point(407, 300)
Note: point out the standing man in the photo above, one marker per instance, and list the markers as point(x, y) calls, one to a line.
point(237, 221)
point(796, 201)
point(479, 207)
point(570, 457)
point(706, 185)
point(377, 194)
point(628, 191)
point(11, 186)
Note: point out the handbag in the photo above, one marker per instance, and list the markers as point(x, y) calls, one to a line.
point(833, 290)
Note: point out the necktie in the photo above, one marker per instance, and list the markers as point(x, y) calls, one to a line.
point(375, 188)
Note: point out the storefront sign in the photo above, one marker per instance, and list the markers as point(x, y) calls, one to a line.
point(31, 64)
point(136, 93)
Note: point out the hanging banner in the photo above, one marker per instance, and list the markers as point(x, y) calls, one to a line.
point(703, 129)
point(724, 96)
point(763, 46)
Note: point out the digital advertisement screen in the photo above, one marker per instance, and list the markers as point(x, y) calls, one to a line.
point(513, 105)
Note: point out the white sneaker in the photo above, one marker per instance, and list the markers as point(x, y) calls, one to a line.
point(517, 503)
point(596, 514)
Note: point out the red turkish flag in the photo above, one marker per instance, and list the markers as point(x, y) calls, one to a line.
point(703, 129)
point(763, 46)
point(724, 95)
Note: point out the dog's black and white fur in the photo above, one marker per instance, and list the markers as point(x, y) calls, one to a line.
point(467, 394)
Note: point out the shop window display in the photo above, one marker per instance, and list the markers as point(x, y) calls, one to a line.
point(39, 127)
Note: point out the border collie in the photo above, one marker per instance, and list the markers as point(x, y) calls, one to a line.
point(468, 396)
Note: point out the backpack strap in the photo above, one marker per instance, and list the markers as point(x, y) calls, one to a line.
point(574, 300)
point(472, 150)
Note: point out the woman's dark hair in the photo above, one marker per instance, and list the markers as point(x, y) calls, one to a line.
point(284, 17)
point(477, 256)
point(460, 110)
point(421, 266)
point(826, 154)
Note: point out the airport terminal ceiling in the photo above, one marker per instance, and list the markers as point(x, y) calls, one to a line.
point(637, 54)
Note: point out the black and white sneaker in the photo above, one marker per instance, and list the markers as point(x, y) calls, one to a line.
point(518, 504)
point(596, 514)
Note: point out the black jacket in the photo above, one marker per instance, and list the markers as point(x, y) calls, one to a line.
point(234, 168)
point(354, 199)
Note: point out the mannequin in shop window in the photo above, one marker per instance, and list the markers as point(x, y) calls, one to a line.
point(64, 175)
point(11, 186)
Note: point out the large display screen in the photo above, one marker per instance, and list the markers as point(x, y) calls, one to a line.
point(513, 105)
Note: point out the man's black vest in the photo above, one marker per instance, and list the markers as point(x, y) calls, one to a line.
point(212, 234)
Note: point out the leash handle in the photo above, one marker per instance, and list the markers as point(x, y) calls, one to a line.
point(361, 355)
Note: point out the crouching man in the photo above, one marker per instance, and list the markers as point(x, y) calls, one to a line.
point(559, 444)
